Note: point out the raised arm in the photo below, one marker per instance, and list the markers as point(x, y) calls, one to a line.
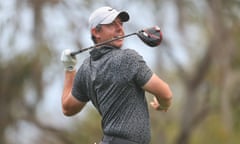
point(70, 105)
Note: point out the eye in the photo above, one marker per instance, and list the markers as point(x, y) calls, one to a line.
point(116, 23)
point(121, 23)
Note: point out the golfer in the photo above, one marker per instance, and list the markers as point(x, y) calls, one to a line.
point(115, 81)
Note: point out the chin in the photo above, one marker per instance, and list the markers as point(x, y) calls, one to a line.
point(119, 44)
point(116, 45)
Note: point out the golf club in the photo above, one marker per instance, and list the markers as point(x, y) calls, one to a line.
point(150, 36)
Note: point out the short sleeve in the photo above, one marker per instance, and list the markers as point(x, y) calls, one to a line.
point(137, 68)
point(80, 86)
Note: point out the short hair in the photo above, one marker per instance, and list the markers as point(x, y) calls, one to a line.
point(93, 39)
point(98, 28)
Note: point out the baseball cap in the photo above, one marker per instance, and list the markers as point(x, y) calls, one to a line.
point(106, 15)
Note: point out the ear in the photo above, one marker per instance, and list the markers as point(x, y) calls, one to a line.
point(95, 33)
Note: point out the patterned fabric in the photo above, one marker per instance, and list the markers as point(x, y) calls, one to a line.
point(112, 79)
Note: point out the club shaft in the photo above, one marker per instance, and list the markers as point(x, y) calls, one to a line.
point(100, 44)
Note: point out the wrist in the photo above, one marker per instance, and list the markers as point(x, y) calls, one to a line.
point(70, 68)
point(163, 107)
point(70, 73)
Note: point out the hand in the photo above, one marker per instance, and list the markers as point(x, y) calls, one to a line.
point(155, 104)
point(68, 61)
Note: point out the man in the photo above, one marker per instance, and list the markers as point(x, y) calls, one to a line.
point(115, 81)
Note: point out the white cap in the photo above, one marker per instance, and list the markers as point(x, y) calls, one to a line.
point(106, 15)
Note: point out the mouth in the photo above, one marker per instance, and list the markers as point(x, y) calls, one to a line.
point(118, 37)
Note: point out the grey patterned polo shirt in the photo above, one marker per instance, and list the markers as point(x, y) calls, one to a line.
point(112, 79)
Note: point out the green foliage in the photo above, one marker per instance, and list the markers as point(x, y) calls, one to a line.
point(234, 102)
point(212, 131)
point(28, 68)
point(235, 61)
point(88, 129)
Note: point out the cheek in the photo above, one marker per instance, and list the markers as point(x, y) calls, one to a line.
point(106, 35)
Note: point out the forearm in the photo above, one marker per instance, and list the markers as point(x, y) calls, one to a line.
point(66, 95)
point(161, 91)
point(68, 84)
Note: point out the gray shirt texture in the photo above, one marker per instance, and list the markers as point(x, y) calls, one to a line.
point(112, 79)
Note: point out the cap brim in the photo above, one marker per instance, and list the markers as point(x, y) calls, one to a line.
point(124, 16)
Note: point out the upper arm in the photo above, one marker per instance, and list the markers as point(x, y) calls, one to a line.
point(71, 105)
point(158, 87)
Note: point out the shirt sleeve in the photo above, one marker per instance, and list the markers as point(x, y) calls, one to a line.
point(138, 68)
point(80, 86)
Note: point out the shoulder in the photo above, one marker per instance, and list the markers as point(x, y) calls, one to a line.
point(129, 54)
point(130, 58)
point(130, 51)
point(85, 64)
point(84, 67)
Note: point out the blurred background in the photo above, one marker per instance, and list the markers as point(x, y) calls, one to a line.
point(199, 58)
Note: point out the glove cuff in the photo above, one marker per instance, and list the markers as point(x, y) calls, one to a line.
point(69, 68)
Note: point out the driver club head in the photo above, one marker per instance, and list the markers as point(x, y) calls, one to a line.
point(151, 36)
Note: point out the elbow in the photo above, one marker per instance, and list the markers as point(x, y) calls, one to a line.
point(67, 106)
point(66, 111)
point(72, 107)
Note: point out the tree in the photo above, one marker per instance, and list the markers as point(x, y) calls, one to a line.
point(212, 70)
point(204, 85)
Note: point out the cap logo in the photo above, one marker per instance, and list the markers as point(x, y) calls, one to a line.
point(110, 9)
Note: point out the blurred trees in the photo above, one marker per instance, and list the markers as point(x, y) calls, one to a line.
point(211, 80)
point(22, 80)
point(204, 79)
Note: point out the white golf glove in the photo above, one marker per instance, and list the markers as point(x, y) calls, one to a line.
point(68, 61)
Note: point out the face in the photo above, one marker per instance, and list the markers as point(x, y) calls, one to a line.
point(109, 31)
